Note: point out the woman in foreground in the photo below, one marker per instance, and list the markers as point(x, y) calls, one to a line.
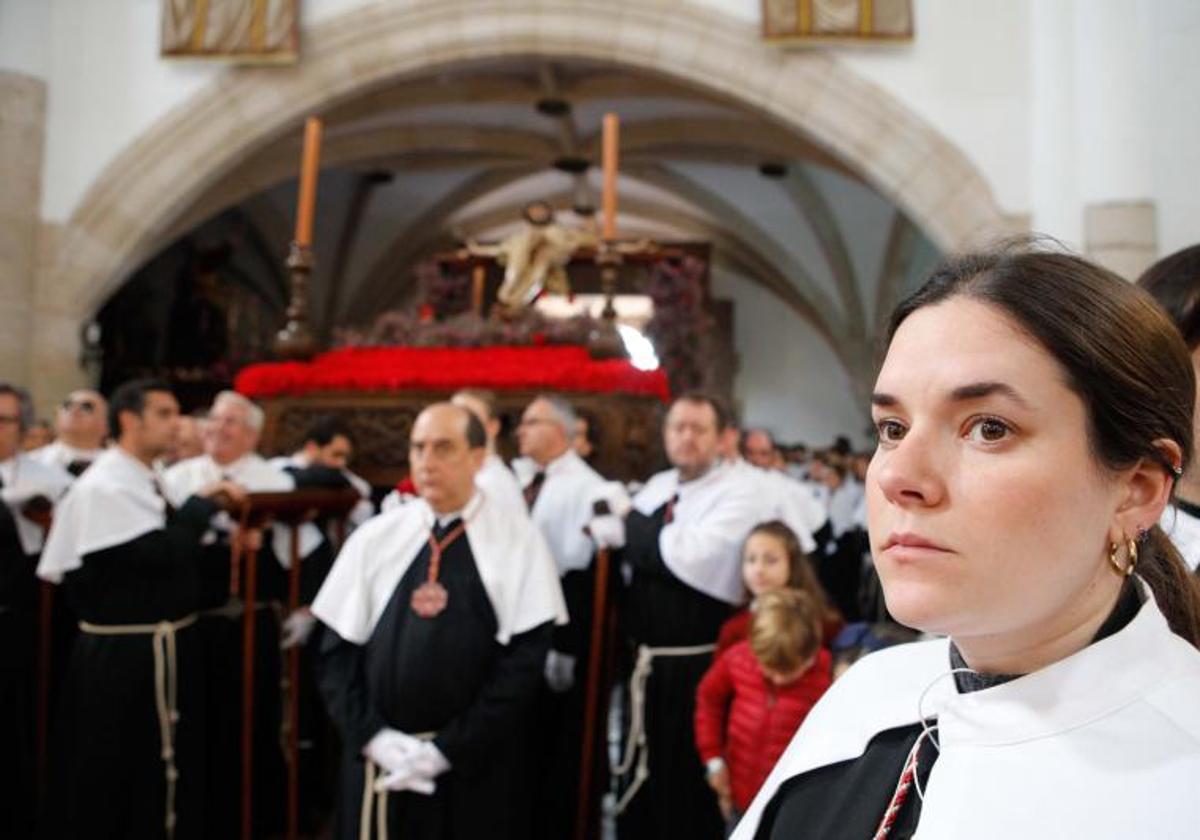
point(1033, 413)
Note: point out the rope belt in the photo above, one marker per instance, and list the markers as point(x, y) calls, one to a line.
point(636, 747)
point(378, 798)
point(166, 689)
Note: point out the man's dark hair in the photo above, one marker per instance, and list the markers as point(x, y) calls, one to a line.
point(325, 429)
point(24, 405)
point(131, 396)
point(712, 401)
point(1174, 281)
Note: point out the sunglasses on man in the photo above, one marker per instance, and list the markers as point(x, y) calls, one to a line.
point(86, 406)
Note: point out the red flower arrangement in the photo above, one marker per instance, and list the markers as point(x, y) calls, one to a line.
point(556, 368)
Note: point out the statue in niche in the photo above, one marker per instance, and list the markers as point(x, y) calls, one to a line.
point(535, 257)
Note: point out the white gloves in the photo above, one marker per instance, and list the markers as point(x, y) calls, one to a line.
point(607, 531)
point(297, 627)
point(409, 763)
point(560, 671)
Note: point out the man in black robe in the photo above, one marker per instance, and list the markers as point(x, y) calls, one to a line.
point(127, 748)
point(683, 550)
point(440, 614)
point(27, 487)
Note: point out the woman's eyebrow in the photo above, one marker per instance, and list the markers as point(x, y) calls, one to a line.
point(978, 390)
point(963, 393)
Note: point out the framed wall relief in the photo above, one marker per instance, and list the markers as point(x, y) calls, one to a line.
point(238, 31)
point(818, 21)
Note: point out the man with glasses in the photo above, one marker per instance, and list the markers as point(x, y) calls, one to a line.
point(578, 513)
point(26, 486)
point(81, 427)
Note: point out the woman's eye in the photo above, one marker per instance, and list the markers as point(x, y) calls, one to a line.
point(890, 431)
point(988, 430)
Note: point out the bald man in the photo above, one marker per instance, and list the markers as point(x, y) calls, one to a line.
point(81, 427)
point(440, 614)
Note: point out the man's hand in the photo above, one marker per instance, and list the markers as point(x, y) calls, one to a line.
point(560, 671)
point(225, 493)
point(607, 531)
point(297, 627)
point(410, 763)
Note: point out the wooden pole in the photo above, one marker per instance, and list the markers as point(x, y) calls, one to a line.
point(248, 619)
point(592, 700)
point(293, 699)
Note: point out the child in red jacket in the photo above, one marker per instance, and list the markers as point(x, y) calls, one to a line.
point(772, 559)
point(755, 695)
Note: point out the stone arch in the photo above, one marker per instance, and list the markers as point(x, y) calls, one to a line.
point(126, 213)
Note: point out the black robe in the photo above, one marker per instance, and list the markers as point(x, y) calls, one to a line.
point(660, 610)
point(446, 675)
point(106, 766)
point(18, 616)
point(221, 633)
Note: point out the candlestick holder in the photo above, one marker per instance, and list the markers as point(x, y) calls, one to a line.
point(604, 342)
point(295, 342)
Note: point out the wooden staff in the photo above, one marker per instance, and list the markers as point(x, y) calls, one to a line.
point(592, 699)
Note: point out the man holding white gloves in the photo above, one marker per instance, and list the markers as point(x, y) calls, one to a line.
point(579, 513)
point(439, 614)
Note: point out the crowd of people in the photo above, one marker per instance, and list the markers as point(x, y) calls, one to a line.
point(1034, 418)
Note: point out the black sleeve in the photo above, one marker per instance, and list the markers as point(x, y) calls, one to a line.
point(313, 571)
point(341, 679)
point(469, 738)
point(146, 579)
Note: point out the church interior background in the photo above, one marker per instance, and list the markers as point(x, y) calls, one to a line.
point(800, 178)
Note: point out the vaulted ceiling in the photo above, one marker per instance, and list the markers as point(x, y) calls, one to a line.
point(415, 167)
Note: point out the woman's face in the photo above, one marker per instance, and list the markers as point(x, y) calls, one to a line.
point(988, 516)
point(765, 566)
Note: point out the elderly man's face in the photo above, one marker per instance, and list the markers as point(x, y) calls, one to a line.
point(540, 435)
point(443, 462)
point(83, 417)
point(228, 434)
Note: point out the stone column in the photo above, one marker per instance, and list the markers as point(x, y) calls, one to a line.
point(1121, 236)
point(22, 138)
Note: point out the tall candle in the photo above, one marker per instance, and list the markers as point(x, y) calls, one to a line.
point(309, 168)
point(609, 201)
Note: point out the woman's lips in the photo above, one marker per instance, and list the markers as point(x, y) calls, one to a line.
point(910, 546)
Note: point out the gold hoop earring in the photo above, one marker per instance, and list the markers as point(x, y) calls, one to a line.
point(1131, 547)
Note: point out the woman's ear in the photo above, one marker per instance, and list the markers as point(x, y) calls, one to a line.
point(1147, 491)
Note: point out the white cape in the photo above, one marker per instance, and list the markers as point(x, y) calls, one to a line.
point(565, 506)
point(112, 503)
point(1103, 744)
point(510, 554)
point(702, 546)
point(26, 478)
point(257, 476)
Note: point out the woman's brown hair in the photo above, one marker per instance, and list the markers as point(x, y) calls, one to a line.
point(1120, 354)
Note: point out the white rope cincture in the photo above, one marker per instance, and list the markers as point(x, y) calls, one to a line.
point(166, 691)
point(377, 797)
point(636, 747)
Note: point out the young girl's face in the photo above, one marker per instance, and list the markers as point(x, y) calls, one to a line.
point(765, 566)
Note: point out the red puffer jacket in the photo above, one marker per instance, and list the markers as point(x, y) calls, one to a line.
point(747, 720)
